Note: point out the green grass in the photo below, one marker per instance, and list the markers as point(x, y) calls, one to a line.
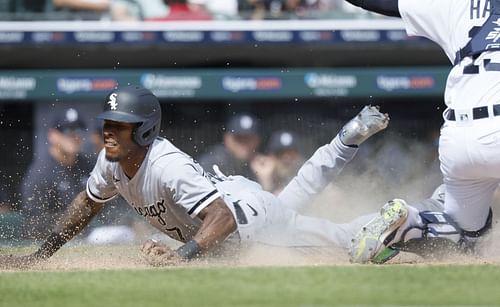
point(262, 286)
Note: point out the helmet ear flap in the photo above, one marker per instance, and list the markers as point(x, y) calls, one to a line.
point(145, 134)
point(135, 138)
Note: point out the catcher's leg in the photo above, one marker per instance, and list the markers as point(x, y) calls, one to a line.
point(400, 227)
point(382, 231)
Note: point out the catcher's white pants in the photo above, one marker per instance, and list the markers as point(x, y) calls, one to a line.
point(469, 153)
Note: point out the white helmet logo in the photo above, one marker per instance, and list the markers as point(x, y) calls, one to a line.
point(112, 101)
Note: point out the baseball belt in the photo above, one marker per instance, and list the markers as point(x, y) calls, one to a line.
point(477, 113)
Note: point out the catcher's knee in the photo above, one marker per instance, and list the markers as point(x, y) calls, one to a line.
point(439, 236)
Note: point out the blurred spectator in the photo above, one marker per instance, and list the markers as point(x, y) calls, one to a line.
point(136, 10)
point(82, 9)
point(325, 5)
point(252, 9)
point(53, 180)
point(220, 9)
point(32, 6)
point(10, 220)
point(179, 10)
point(287, 8)
point(283, 160)
point(82, 5)
point(240, 144)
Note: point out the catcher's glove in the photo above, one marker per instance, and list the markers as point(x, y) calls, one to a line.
point(157, 254)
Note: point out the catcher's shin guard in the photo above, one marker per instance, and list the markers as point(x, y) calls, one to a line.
point(372, 242)
point(440, 236)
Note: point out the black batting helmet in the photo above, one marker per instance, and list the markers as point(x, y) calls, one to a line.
point(134, 104)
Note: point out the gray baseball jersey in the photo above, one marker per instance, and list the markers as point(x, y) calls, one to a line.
point(169, 189)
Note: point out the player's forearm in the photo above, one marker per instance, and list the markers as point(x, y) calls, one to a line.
point(384, 7)
point(76, 217)
point(218, 224)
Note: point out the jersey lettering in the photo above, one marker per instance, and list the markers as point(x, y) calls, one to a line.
point(175, 232)
point(479, 9)
point(154, 210)
point(472, 69)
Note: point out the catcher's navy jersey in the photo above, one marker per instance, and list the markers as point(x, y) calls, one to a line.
point(169, 189)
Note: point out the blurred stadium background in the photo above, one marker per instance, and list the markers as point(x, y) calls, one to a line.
point(304, 65)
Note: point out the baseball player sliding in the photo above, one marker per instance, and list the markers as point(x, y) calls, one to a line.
point(173, 192)
point(469, 146)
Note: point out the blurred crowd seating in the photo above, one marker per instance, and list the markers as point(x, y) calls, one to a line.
point(164, 10)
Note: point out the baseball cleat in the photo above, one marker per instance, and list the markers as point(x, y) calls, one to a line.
point(372, 243)
point(368, 122)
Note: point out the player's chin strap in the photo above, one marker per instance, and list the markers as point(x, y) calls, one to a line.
point(440, 236)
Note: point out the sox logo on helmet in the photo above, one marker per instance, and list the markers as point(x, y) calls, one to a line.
point(133, 104)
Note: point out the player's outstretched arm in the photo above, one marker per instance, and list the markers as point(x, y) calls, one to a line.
point(384, 7)
point(218, 223)
point(76, 217)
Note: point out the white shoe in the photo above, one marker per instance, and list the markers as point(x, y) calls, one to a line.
point(372, 243)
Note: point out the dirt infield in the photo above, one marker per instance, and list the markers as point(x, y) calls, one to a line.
point(88, 258)
point(337, 204)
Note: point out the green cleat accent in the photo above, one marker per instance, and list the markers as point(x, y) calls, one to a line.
point(369, 243)
point(385, 255)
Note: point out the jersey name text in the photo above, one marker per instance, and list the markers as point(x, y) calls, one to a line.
point(479, 9)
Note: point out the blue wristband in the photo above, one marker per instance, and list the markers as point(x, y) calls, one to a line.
point(189, 250)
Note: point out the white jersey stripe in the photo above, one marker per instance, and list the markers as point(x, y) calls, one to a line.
point(96, 198)
point(203, 203)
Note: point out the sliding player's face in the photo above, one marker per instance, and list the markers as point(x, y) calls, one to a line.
point(118, 142)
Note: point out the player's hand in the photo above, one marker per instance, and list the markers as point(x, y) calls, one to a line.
point(157, 254)
point(18, 262)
